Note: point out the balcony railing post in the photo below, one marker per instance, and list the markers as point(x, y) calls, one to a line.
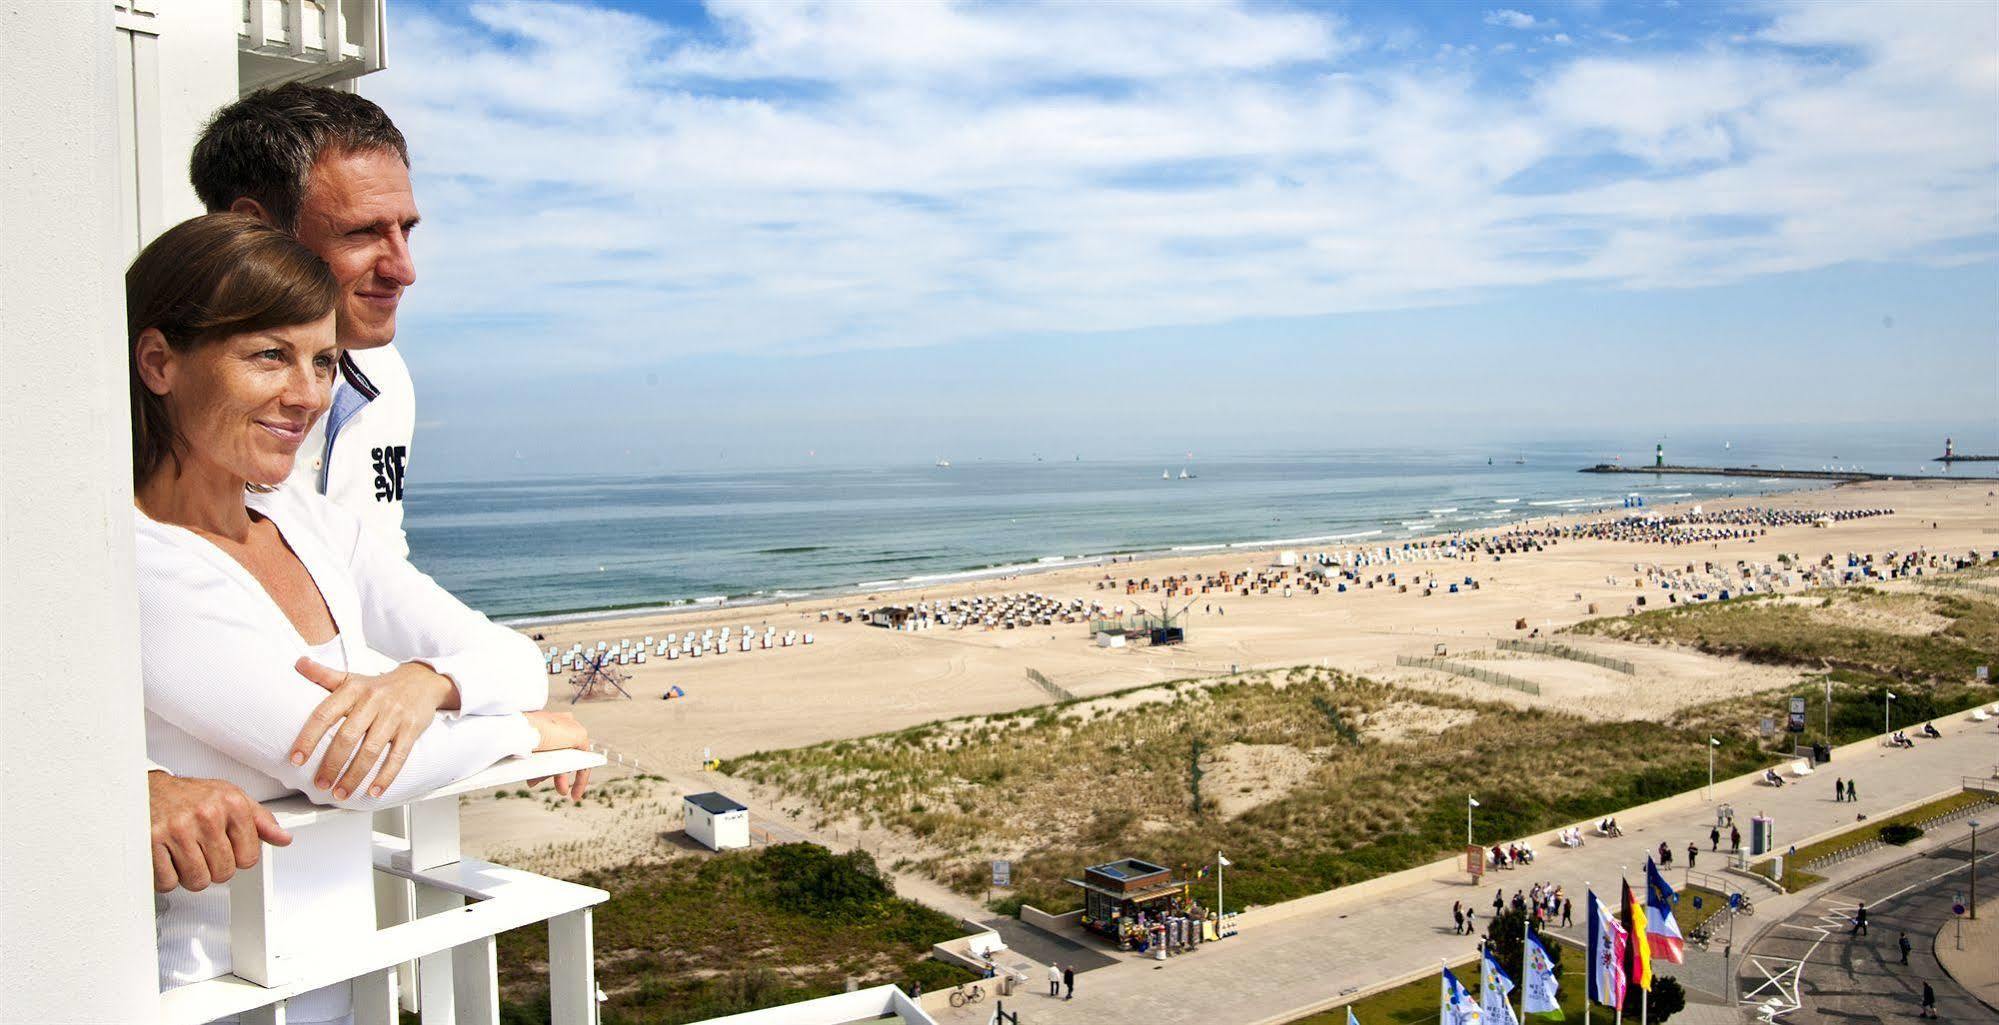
point(374, 999)
point(475, 972)
point(572, 970)
point(252, 900)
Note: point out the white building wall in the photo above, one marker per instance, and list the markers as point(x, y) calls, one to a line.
point(177, 64)
point(76, 906)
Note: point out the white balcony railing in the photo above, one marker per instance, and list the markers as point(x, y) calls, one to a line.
point(317, 41)
point(460, 904)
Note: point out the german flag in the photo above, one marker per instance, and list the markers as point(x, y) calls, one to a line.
point(1639, 948)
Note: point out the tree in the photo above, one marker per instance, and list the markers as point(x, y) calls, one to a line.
point(1502, 937)
point(1668, 999)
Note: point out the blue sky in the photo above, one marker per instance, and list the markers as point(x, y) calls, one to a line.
point(659, 235)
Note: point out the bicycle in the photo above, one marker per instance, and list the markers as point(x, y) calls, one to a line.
point(969, 993)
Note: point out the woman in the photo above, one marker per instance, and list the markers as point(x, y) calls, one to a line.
point(267, 615)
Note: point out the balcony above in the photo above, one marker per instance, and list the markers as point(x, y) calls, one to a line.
point(322, 42)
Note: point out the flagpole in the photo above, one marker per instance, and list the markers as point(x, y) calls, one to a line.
point(1526, 930)
point(1589, 972)
point(1218, 892)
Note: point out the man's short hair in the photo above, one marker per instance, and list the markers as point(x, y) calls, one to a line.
point(263, 145)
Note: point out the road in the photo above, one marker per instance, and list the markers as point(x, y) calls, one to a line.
point(1813, 959)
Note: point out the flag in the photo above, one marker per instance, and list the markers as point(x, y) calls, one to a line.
point(1606, 955)
point(1541, 982)
point(1222, 861)
point(1493, 986)
point(1638, 947)
point(1663, 929)
point(1351, 1020)
point(1458, 1007)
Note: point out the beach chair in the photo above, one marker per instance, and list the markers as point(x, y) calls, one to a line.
point(1979, 715)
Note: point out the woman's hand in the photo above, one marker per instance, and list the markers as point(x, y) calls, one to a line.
point(560, 730)
point(378, 715)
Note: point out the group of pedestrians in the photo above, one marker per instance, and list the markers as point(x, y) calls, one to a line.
point(1842, 790)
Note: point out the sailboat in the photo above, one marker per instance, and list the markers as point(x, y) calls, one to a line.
point(1165, 475)
point(1184, 475)
point(943, 464)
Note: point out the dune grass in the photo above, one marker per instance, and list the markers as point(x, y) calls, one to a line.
point(1064, 786)
point(1925, 647)
point(698, 937)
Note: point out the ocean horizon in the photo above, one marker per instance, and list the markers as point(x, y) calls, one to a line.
point(573, 547)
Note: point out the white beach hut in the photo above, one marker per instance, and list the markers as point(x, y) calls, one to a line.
point(716, 822)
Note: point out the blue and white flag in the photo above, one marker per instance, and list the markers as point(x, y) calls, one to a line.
point(1542, 985)
point(1493, 986)
point(1458, 1006)
point(1351, 1020)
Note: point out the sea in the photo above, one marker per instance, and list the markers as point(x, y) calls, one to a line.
point(551, 549)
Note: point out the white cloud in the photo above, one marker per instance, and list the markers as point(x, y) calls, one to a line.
point(829, 176)
point(1559, 39)
point(1509, 18)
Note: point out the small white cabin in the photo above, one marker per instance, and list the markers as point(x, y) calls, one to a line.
point(716, 822)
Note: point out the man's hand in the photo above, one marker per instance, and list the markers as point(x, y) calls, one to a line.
point(377, 715)
point(556, 731)
point(204, 830)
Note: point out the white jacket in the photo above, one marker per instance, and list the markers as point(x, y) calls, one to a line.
point(357, 453)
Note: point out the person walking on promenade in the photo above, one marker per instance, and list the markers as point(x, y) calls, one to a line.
point(1714, 838)
point(1693, 851)
point(1069, 982)
point(1457, 918)
point(1838, 789)
point(1860, 921)
point(1929, 1002)
point(1665, 855)
point(1568, 912)
point(1904, 946)
point(1471, 922)
point(1054, 979)
point(1850, 795)
point(1498, 902)
point(1734, 839)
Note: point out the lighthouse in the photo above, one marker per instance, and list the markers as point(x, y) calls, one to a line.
point(1949, 449)
point(1659, 455)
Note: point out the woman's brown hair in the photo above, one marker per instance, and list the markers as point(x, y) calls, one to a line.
point(204, 280)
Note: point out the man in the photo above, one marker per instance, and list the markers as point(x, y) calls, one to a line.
point(1860, 921)
point(1850, 795)
point(1054, 979)
point(1069, 982)
point(1929, 1002)
point(1568, 912)
point(1457, 918)
point(332, 169)
point(1734, 839)
point(1693, 852)
point(1904, 945)
point(1714, 838)
point(1838, 789)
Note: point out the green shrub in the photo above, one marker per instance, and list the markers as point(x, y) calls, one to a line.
point(1901, 834)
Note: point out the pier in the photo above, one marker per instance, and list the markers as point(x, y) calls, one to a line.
point(1752, 471)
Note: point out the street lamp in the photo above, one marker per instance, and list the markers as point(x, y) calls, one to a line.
point(1711, 745)
point(1470, 803)
point(1974, 870)
point(1887, 727)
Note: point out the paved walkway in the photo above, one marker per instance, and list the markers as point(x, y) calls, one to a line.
point(1814, 960)
point(1276, 970)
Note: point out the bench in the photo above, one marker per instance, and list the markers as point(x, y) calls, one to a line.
point(1801, 768)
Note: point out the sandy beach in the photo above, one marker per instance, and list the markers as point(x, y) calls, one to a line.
point(856, 680)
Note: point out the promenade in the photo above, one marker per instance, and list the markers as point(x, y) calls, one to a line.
point(1286, 964)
